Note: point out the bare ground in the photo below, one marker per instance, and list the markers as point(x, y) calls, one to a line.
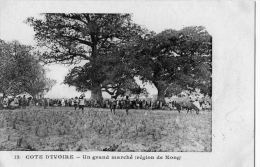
point(63, 129)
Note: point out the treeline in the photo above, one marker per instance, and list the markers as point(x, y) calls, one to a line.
point(115, 51)
point(21, 70)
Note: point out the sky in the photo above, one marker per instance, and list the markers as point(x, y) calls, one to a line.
point(154, 16)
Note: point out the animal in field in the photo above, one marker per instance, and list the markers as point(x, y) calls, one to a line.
point(178, 106)
point(189, 106)
point(186, 105)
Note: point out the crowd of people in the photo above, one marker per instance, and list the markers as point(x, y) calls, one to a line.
point(122, 103)
point(14, 102)
point(81, 102)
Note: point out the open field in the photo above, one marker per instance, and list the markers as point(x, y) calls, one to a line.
point(94, 129)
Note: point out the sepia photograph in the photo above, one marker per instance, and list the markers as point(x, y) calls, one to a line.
point(103, 82)
point(133, 83)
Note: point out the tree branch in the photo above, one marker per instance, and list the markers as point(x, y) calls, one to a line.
point(77, 39)
point(75, 17)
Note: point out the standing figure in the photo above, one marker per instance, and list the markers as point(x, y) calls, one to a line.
point(127, 105)
point(45, 103)
point(113, 105)
point(81, 103)
point(76, 103)
point(5, 102)
point(16, 102)
point(24, 102)
point(72, 102)
point(120, 104)
point(63, 102)
point(137, 104)
point(20, 101)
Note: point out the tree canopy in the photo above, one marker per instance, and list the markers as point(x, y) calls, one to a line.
point(114, 50)
point(21, 71)
point(176, 60)
point(72, 38)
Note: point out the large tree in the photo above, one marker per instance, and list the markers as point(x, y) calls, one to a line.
point(176, 60)
point(21, 71)
point(118, 78)
point(90, 38)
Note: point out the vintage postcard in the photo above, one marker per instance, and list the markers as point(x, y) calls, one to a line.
point(161, 83)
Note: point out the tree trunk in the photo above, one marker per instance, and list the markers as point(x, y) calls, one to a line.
point(96, 94)
point(161, 91)
point(161, 94)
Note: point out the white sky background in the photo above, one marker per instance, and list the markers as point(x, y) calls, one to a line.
point(156, 17)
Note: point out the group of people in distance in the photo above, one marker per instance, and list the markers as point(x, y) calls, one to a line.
point(113, 104)
point(78, 102)
point(13, 102)
point(116, 103)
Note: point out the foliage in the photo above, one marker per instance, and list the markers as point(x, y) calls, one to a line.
point(21, 71)
point(181, 58)
point(73, 38)
point(114, 50)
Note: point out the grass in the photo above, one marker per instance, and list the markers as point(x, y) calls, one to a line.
point(63, 129)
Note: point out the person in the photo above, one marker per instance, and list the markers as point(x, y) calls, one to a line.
point(1, 102)
point(81, 103)
point(45, 103)
point(24, 102)
point(20, 101)
point(113, 105)
point(30, 101)
point(48, 102)
point(127, 104)
point(120, 105)
point(63, 102)
point(75, 103)
point(16, 102)
point(137, 104)
point(59, 102)
point(197, 104)
point(72, 102)
point(5, 102)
